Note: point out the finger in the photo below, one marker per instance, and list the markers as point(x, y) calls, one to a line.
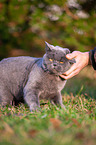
point(70, 75)
point(63, 76)
point(73, 67)
point(72, 55)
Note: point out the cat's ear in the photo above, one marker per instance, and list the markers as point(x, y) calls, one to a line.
point(48, 47)
point(67, 51)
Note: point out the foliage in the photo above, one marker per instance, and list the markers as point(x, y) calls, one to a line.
point(52, 125)
point(26, 24)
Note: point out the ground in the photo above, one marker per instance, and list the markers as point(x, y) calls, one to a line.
point(52, 125)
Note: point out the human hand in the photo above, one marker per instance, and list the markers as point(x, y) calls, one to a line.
point(82, 60)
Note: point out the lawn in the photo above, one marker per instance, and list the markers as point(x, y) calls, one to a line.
point(52, 125)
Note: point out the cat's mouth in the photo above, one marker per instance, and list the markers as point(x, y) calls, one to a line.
point(57, 68)
point(55, 71)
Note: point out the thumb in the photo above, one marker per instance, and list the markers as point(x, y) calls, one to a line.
point(72, 55)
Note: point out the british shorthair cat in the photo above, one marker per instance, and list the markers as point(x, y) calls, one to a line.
point(28, 79)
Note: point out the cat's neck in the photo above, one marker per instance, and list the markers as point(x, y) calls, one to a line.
point(45, 69)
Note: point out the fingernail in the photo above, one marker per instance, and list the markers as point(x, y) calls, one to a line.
point(68, 55)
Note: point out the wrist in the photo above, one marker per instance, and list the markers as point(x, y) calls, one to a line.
point(87, 60)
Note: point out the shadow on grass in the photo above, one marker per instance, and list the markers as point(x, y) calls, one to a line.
point(84, 83)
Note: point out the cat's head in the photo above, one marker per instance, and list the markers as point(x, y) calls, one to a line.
point(55, 61)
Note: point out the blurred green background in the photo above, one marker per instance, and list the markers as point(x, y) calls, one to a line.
point(26, 24)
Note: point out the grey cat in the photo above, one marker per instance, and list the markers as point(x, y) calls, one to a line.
point(27, 79)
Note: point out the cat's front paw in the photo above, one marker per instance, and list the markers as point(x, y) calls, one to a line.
point(34, 107)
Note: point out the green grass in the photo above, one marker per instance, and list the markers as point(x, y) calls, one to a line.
point(52, 125)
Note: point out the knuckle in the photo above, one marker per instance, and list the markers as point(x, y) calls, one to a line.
point(77, 71)
point(66, 74)
point(77, 52)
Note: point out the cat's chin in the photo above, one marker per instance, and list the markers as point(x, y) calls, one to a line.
point(55, 73)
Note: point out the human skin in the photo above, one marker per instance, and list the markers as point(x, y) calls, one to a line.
point(82, 60)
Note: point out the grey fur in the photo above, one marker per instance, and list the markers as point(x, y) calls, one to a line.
point(26, 79)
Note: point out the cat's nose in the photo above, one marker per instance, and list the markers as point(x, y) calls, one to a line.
point(54, 64)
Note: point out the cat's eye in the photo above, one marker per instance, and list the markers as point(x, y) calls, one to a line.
point(61, 62)
point(50, 59)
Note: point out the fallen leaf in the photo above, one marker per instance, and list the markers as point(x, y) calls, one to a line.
point(76, 122)
point(80, 135)
point(32, 133)
point(8, 128)
point(56, 123)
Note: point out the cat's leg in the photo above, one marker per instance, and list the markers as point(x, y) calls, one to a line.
point(6, 97)
point(31, 97)
point(58, 100)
